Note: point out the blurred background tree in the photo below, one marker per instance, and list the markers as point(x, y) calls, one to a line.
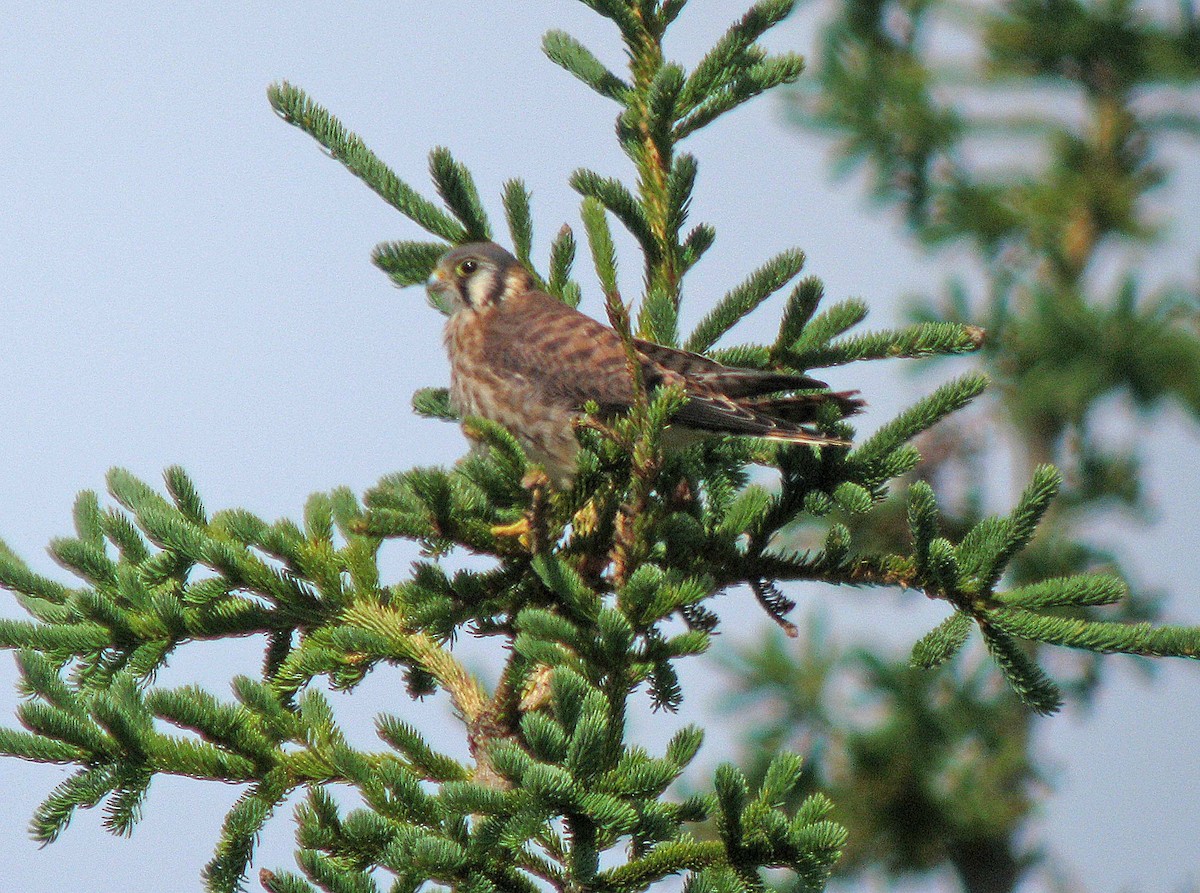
point(1029, 138)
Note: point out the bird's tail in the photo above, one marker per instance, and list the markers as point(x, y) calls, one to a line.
point(804, 409)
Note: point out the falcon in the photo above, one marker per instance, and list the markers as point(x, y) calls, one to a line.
point(524, 359)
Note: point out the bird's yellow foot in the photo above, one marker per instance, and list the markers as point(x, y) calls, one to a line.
point(535, 479)
point(519, 528)
point(587, 519)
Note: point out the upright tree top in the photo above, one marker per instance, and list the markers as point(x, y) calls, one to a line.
point(590, 592)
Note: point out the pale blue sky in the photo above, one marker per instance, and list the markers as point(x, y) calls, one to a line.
point(186, 279)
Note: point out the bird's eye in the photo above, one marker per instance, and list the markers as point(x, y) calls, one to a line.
point(467, 267)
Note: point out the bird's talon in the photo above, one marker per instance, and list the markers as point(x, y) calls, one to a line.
point(519, 528)
point(535, 479)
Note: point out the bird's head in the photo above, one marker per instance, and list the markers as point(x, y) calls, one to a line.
point(475, 276)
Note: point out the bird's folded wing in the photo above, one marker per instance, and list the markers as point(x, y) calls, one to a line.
point(560, 357)
point(563, 356)
point(724, 416)
point(721, 379)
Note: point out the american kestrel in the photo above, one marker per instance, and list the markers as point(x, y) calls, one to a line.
point(526, 360)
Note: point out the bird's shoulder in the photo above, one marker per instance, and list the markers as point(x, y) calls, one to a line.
point(533, 311)
point(536, 327)
point(565, 354)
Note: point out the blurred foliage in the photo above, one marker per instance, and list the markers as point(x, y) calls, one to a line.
point(1031, 136)
point(926, 769)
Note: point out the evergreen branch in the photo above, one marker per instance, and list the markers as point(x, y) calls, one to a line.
point(666, 859)
point(567, 585)
point(924, 340)
point(1077, 591)
point(824, 328)
point(566, 51)
point(436, 507)
point(36, 593)
point(924, 521)
point(38, 748)
point(781, 779)
point(562, 258)
point(87, 517)
point(765, 74)
point(621, 202)
point(191, 759)
point(125, 537)
point(331, 874)
point(406, 739)
point(434, 403)
point(295, 107)
point(123, 534)
point(801, 305)
point(680, 185)
point(57, 639)
point(243, 824)
point(226, 725)
point(456, 186)
point(1100, 636)
point(604, 258)
point(725, 61)
point(1018, 530)
point(85, 789)
point(698, 241)
point(1032, 686)
point(284, 882)
point(409, 263)
point(86, 561)
point(743, 300)
point(928, 411)
point(944, 572)
point(669, 10)
point(465, 691)
point(135, 495)
point(124, 806)
point(658, 318)
point(604, 255)
point(520, 220)
point(318, 525)
point(183, 493)
point(660, 115)
point(620, 12)
point(742, 515)
point(943, 642)
point(862, 570)
point(545, 737)
point(546, 637)
point(238, 565)
point(40, 676)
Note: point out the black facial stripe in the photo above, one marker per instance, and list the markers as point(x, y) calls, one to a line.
point(482, 288)
point(496, 292)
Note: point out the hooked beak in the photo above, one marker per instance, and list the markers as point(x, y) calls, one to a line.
point(436, 280)
point(437, 288)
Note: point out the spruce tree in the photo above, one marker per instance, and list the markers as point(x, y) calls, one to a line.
point(587, 594)
point(1032, 143)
